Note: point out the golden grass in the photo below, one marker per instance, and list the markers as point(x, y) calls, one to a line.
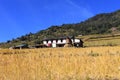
point(60, 64)
point(101, 40)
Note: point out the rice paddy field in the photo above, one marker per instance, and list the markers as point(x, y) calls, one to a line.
point(90, 63)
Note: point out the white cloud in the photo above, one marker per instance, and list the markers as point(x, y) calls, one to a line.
point(84, 11)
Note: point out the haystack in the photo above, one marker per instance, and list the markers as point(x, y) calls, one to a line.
point(68, 45)
point(68, 42)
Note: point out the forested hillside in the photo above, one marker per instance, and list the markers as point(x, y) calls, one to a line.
point(105, 23)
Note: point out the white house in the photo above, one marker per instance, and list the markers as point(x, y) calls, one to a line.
point(61, 41)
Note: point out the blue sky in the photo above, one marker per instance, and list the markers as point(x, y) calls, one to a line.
point(19, 17)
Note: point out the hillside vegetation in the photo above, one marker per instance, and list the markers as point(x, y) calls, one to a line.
point(106, 23)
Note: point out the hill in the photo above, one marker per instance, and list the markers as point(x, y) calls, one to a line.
point(105, 23)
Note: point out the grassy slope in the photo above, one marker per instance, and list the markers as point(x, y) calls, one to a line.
point(101, 40)
point(98, 40)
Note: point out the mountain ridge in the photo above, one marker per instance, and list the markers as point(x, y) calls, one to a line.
point(105, 23)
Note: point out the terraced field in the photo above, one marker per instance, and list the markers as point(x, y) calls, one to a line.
point(101, 40)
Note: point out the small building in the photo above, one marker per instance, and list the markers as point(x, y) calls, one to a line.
point(61, 41)
point(38, 46)
point(22, 46)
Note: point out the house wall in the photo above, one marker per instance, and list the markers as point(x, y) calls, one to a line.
point(54, 42)
point(77, 40)
point(54, 45)
point(44, 42)
point(49, 41)
point(64, 41)
point(59, 42)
